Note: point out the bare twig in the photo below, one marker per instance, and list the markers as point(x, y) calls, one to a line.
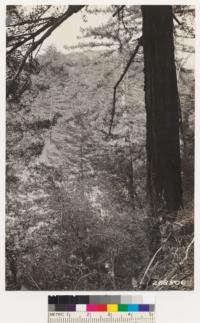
point(184, 27)
point(119, 81)
point(177, 20)
point(118, 10)
point(45, 11)
point(126, 29)
point(152, 260)
point(34, 282)
point(83, 277)
point(118, 34)
point(187, 252)
point(39, 47)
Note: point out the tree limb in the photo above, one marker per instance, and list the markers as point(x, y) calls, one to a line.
point(29, 21)
point(126, 28)
point(70, 11)
point(33, 281)
point(152, 260)
point(118, 10)
point(32, 36)
point(119, 81)
point(176, 19)
point(187, 252)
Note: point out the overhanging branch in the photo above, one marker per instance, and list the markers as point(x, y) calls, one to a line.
point(70, 11)
point(26, 39)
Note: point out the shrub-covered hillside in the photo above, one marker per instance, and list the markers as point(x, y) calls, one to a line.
point(76, 197)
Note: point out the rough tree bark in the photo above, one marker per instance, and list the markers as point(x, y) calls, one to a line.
point(161, 100)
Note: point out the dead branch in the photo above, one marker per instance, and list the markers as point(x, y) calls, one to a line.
point(33, 281)
point(126, 28)
point(83, 277)
point(118, 10)
point(173, 272)
point(152, 260)
point(177, 20)
point(119, 81)
point(184, 27)
point(187, 252)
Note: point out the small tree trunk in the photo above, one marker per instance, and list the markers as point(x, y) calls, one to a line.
point(161, 100)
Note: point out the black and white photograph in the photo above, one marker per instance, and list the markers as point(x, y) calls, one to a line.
point(100, 147)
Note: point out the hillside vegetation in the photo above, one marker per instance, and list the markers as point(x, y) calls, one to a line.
point(76, 198)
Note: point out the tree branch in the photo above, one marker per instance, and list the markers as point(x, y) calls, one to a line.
point(187, 252)
point(33, 35)
point(125, 27)
point(70, 11)
point(152, 260)
point(119, 81)
point(176, 19)
point(118, 10)
point(33, 281)
point(29, 21)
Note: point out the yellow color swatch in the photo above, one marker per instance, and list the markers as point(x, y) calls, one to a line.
point(112, 307)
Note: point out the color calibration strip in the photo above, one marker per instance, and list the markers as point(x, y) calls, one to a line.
point(101, 308)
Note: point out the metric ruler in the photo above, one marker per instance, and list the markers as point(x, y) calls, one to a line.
point(101, 309)
point(98, 317)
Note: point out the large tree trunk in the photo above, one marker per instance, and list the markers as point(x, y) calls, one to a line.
point(161, 100)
